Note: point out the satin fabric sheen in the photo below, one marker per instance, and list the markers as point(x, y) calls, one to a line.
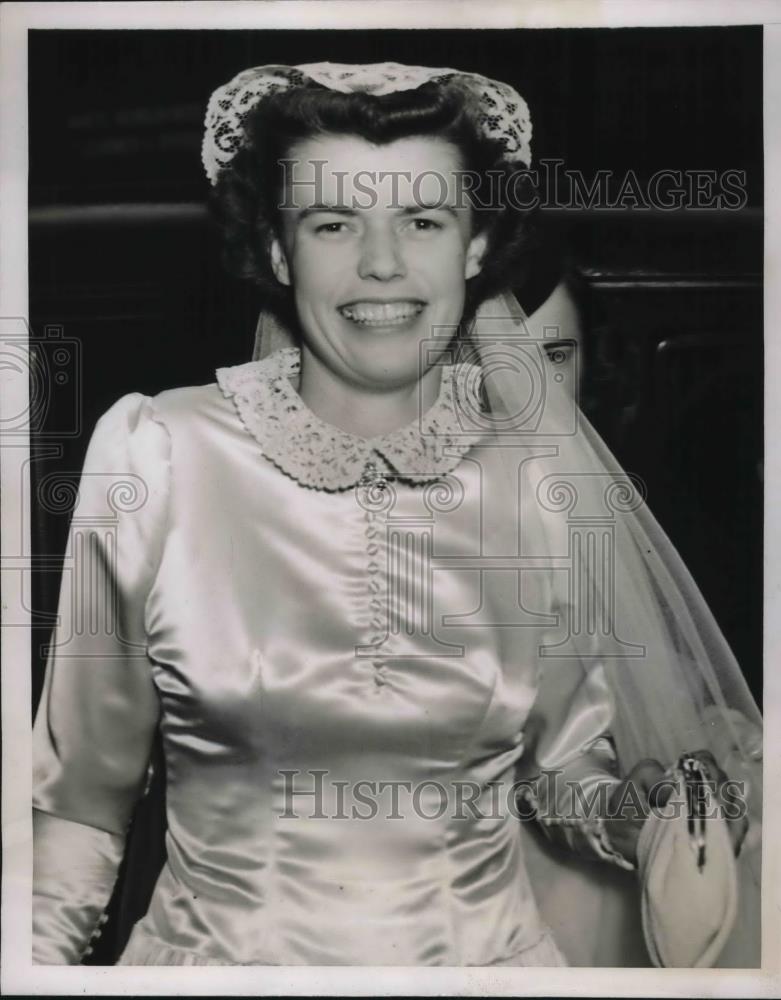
point(246, 609)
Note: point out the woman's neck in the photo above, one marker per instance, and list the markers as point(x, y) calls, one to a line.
point(362, 411)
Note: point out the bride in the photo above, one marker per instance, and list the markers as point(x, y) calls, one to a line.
point(384, 594)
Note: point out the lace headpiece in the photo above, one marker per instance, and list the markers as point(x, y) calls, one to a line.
point(499, 110)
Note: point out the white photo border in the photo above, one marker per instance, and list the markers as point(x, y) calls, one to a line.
point(19, 976)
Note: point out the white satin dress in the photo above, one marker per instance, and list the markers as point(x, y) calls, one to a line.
point(302, 610)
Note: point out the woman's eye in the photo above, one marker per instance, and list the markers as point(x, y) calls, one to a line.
point(425, 225)
point(331, 227)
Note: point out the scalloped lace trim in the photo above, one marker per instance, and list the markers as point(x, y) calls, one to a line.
point(319, 455)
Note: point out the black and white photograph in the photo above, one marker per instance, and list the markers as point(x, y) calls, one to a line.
point(389, 552)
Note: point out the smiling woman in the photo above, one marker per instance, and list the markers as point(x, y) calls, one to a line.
point(472, 165)
point(385, 594)
point(369, 284)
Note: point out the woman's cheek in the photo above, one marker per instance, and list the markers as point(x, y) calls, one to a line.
point(441, 261)
point(316, 273)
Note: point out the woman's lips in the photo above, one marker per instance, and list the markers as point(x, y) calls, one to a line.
point(382, 313)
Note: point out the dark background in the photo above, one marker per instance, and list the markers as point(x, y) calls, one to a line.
point(127, 293)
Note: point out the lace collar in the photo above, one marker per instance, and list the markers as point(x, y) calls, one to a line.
point(322, 456)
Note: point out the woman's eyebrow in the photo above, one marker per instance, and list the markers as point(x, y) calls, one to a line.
point(408, 210)
point(435, 207)
point(336, 209)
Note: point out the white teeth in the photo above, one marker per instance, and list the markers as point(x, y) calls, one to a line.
point(381, 313)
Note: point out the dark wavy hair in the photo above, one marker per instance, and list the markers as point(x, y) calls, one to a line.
point(249, 189)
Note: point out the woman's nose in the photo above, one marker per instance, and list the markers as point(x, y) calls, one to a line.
point(381, 258)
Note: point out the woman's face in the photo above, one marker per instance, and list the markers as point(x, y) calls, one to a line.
point(377, 249)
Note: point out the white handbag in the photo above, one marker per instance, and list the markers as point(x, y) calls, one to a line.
point(688, 873)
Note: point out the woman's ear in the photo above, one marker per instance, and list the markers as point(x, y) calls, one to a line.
point(279, 262)
point(473, 263)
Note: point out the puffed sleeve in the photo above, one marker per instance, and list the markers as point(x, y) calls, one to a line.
point(99, 708)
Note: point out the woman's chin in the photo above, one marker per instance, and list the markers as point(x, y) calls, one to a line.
point(385, 356)
point(384, 370)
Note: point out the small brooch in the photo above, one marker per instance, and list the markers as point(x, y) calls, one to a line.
point(372, 477)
